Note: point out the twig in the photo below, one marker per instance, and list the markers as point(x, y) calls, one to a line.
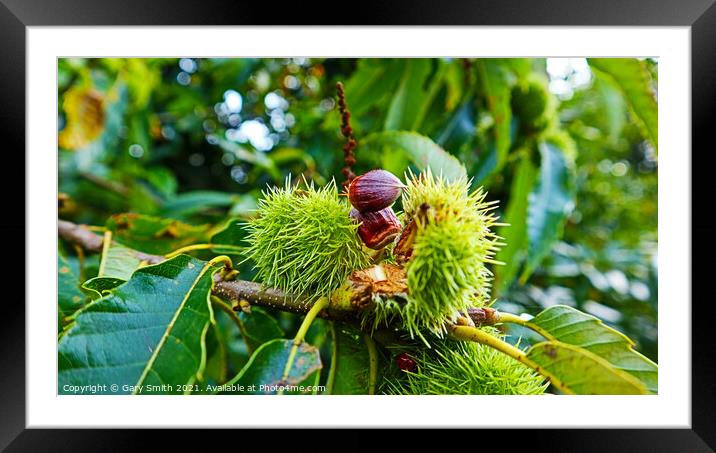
point(255, 293)
point(464, 333)
point(252, 292)
point(318, 306)
point(81, 235)
point(373, 363)
point(223, 306)
point(112, 186)
point(467, 333)
point(334, 361)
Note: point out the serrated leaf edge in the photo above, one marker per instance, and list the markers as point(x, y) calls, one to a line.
point(559, 383)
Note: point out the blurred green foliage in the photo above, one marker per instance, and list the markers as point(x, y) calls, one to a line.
point(568, 147)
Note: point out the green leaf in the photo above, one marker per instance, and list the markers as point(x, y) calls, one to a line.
point(396, 146)
point(634, 80)
point(118, 262)
point(454, 84)
point(550, 202)
point(577, 371)
point(486, 166)
point(350, 364)
point(571, 326)
point(252, 156)
point(245, 206)
point(155, 235)
point(497, 87)
point(216, 363)
point(101, 286)
point(142, 79)
point(191, 202)
point(237, 353)
point(162, 179)
point(231, 239)
point(69, 296)
point(259, 327)
point(285, 155)
point(150, 331)
point(318, 334)
point(459, 129)
point(405, 107)
point(520, 67)
point(515, 235)
point(263, 373)
point(371, 83)
point(434, 85)
point(613, 105)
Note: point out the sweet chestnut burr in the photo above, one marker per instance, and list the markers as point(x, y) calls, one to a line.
point(377, 228)
point(375, 190)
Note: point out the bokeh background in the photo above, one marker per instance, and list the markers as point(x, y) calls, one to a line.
point(198, 139)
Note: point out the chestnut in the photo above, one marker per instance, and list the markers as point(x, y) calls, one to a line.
point(377, 228)
point(375, 190)
point(406, 363)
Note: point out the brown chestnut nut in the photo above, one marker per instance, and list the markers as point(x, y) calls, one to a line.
point(406, 363)
point(378, 228)
point(375, 190)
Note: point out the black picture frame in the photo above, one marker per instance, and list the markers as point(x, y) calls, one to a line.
point(699, 15)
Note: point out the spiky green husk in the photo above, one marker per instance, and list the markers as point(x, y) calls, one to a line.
point(533, 104)
point(464, 368)
point(302, 240)
point(447, 271)
point(385, 312)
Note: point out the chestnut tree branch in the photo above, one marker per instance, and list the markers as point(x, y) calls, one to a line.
point(254, 293)
point(79, 235)
point(232, 290)
point(84, 237)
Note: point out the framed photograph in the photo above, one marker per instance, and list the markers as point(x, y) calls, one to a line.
point(431, 224)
